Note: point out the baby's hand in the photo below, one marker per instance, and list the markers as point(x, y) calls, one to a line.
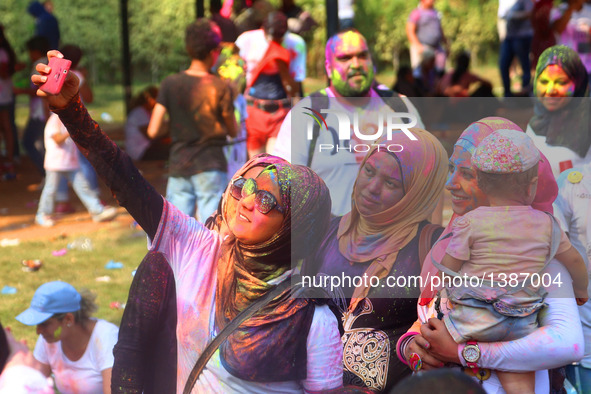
point(580, 292)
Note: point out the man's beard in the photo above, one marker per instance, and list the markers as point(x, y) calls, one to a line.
point(346, 90)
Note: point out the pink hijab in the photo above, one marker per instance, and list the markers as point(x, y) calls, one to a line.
point(545, 195)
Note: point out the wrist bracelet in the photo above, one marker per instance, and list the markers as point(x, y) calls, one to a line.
point(401, 344)
point(404, 346)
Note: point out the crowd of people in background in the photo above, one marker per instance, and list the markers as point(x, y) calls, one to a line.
point(260, 197)
point(46, 36)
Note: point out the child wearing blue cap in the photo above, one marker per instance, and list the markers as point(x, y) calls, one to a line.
point(76, 348)
point(494, 261)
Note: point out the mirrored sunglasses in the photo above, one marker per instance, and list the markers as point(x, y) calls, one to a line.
point(264, 201)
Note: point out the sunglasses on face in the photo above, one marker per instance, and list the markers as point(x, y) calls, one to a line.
point(264, 201)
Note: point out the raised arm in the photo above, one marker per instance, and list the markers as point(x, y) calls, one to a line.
point(574, 263)
point(292, 88)
point(228, 115)
point(114, 167)
point(147, 329)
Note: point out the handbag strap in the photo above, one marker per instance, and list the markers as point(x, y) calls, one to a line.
point(211, 348)
point(425, 240)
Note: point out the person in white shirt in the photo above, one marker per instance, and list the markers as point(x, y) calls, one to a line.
point(20, 373)
point(291, 344)
point(76, 348)
point(62, 160)
point(271, 79)
point(572, 209)
point(352, 89)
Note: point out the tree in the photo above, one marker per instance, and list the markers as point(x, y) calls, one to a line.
point(157, 31)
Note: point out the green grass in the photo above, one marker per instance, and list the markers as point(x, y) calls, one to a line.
point(108, 99)
point(79, 268)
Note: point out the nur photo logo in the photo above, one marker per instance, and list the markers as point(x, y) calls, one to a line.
point(347, 134)
point(318, 118)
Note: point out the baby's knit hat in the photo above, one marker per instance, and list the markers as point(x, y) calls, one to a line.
point(506, 152)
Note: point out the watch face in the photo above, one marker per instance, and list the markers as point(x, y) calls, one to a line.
point(471, 353)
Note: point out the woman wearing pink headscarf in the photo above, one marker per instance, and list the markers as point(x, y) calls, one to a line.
point(383, 238)
point(558, 342)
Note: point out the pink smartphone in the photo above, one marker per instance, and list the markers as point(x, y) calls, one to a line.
point(57, 76)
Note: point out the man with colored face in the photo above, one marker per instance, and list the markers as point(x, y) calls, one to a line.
point(348, 65)
point(352, 96)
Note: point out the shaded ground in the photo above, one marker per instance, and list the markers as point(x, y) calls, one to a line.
point(19, 199)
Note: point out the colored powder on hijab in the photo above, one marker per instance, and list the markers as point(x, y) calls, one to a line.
point(569, 126)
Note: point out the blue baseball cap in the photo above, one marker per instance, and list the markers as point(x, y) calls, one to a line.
point(49, 299)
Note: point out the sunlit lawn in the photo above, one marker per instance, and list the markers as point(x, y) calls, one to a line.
point(79, 268)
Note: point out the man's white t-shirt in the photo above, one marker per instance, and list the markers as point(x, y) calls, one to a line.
point(59, 157)
point(253, 45)
point(346, 9)
point(84, 375)
point(337, 166)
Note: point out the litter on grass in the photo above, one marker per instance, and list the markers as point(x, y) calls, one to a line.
point(32, 265)
point(60, 252)
point(4, 242)
point(113, 265)
point(8, 290)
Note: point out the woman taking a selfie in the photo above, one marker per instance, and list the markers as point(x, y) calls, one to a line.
point(290, 344)
point(146, 352)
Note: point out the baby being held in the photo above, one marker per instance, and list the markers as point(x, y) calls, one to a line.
point(509, 244)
